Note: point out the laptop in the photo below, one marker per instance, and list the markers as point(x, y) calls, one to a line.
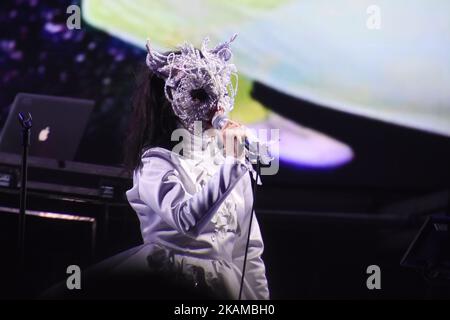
point(58, 125)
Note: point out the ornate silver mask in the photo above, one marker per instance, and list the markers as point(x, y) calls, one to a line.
point(197, 82)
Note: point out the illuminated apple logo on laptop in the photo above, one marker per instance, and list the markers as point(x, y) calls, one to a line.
point(43, 134)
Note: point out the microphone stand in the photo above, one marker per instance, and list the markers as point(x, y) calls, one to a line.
point(26, 123)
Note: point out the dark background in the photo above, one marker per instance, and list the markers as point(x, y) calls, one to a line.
point(322, 228)
point(91, 64)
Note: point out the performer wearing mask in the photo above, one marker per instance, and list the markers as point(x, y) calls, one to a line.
point(194, 206)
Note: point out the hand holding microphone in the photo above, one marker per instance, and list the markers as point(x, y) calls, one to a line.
point(240, 138)
point(233, 137)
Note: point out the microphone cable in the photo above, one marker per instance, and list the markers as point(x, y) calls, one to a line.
point(255, 183)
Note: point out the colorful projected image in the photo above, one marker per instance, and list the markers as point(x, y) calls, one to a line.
point(319, 51)
point(168, 24)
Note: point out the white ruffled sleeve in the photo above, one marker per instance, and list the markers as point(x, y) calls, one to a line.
point(161, 188)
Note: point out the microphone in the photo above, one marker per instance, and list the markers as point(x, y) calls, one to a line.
point(25, 120)
point(255, 148)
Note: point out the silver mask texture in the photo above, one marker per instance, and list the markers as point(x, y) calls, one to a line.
point(197, 82)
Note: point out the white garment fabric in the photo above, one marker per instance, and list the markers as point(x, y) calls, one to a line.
point(194, 212)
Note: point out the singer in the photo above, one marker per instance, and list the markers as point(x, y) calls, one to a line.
point(194, 206)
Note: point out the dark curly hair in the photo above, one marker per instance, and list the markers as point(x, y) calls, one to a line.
point(151, 122)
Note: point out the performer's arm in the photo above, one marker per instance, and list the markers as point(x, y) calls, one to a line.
point(161, 188)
